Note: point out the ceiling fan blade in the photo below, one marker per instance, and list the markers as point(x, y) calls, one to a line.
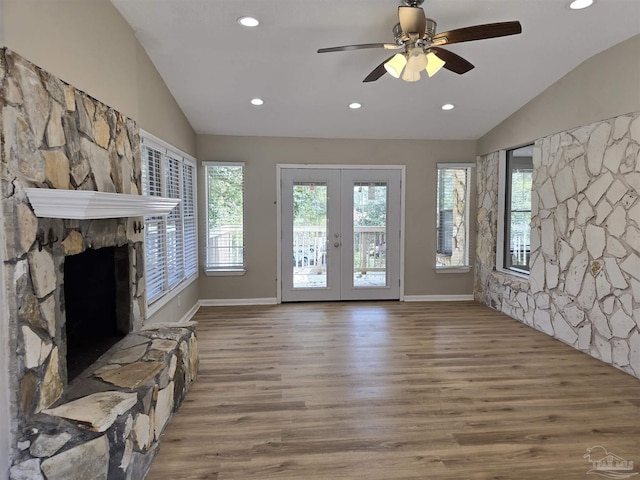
point(386, 46)
point(377, 72)
point(477, 32)
point(454, 62)
point(412, 20)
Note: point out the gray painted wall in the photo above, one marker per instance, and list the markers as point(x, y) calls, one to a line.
point(262, 154)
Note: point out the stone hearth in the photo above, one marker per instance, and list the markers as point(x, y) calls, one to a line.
point(57, 137)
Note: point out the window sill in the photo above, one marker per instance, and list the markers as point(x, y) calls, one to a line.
point(218, 272)
point(514, 273)
point(466, 269)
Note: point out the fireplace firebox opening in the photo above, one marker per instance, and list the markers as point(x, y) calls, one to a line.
point(97, 306)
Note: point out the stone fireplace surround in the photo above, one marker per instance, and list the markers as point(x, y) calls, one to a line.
point(107, 422)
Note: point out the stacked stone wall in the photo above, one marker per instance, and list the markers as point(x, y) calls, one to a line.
point(584, 283)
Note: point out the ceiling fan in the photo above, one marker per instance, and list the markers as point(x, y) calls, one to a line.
point(419, 47)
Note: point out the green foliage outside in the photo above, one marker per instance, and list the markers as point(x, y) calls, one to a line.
point(225, 191)
point(310, 205)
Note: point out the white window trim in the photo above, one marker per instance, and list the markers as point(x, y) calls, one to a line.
point(152, 141)
point(466, 268)
point(223, 271)
point(502, 193)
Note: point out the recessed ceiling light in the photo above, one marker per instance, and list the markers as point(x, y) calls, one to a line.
point(249, 21)
point(580, 4)
point(355, 105)
point(257, 101)
point(447, 106)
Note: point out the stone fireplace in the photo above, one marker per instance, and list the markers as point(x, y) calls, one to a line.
point(91, 389)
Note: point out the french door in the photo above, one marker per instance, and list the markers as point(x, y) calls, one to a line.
point(340, 236)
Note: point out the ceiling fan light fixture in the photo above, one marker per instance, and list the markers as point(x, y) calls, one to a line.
point(395, 66)
point(434, 64)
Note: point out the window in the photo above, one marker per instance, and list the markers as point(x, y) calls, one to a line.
point(452, 216)
point(171, 250)
point(225, 217)
point(518, 177)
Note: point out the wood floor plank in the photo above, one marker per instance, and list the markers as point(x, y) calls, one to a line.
point(394, 391)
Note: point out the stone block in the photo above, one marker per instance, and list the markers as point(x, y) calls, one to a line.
point(631, 265)
point(542, 321)
point(163, 409)
point(598, 141)
point(48, 445)
point(27, 470)
point(599, 321)
point(634, 129)
point(132, 375)
point(55, 132)
point(57, 169)
point(576, 273)
point(617, 221)
point(598, 187)
point(141, 432)
point(52, 387)
point(563, 330)
point(88, 460)
point(596, 240)
point(42, 271)
point(98, 411)
point(620, 352)
point(614, 273)
point(30, 84)
point(34, 348)
point(129, 355)
point(621, 324)
point(24, 158)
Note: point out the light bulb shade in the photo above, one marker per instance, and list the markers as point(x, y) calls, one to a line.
point(410, 75)
point(417, 60)
point(395, 65)
point(434, 64)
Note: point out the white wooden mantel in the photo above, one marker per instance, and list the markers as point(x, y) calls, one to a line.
point(87, 205)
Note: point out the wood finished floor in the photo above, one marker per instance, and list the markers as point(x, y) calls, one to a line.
point(390, 390)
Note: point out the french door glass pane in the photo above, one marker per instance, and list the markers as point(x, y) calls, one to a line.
point(369, 234)
point(309, 235)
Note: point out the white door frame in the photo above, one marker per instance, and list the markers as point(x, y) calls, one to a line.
point(282, 166)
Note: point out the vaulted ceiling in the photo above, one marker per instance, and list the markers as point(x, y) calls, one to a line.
point(214, 66)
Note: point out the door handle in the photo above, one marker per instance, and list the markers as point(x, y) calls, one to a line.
point(337, 244)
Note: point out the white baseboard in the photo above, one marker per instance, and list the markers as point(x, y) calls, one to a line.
point(438, 298)
point(189, 315)
point(226, 302)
